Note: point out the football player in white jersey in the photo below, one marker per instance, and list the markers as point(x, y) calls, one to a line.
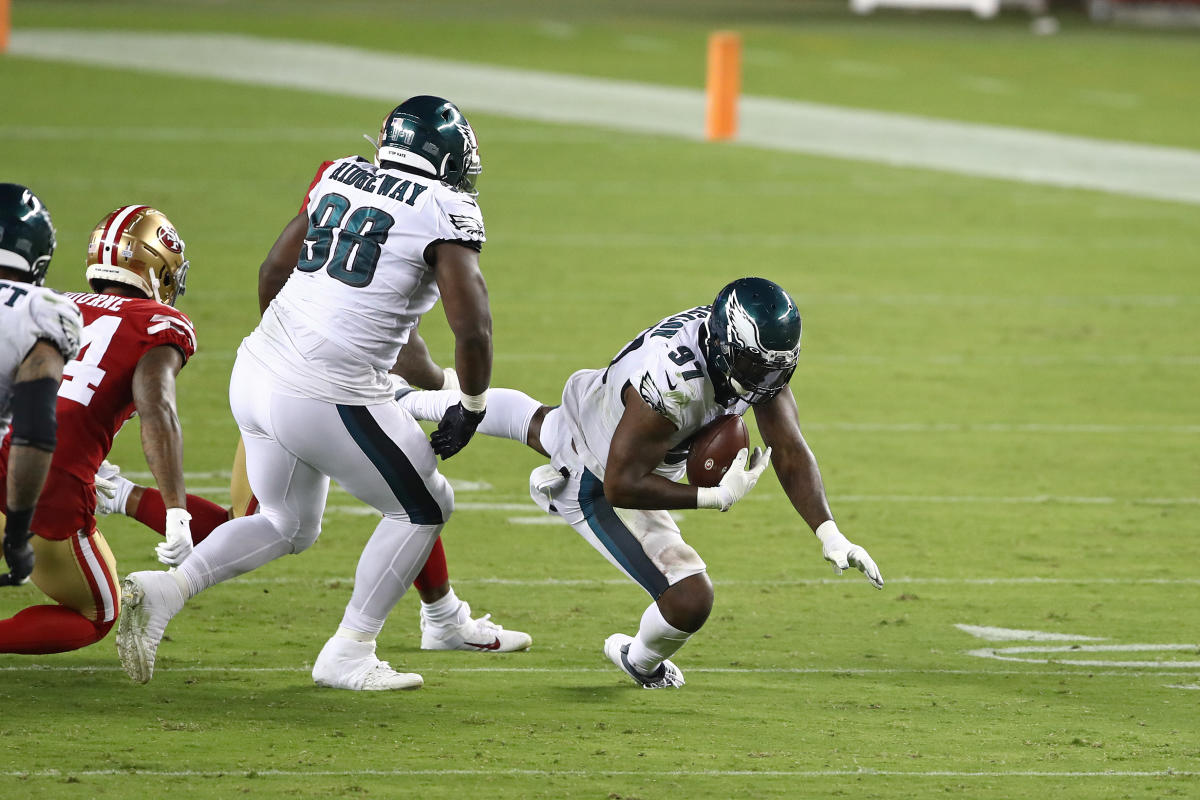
point(619, 443)
point(311, 395)
point(39, 333)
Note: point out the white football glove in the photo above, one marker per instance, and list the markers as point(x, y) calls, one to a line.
point(178, 543)
point(105, 488)
point(843, 554)
point(737, 481)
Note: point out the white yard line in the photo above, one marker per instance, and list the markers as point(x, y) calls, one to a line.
point(830, 582)
point(492, 772)
point(902, 140)
point(432, 669)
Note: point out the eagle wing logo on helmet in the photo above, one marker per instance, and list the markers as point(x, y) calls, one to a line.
point(745, 334)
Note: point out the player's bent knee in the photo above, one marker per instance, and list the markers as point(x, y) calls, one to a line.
point(687, 604)
point(305, 536)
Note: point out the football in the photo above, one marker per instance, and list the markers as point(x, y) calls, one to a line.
point(713, 449)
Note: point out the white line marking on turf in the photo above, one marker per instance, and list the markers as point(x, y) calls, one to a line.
point(1015, 653)
point(998, 427)
point(902, 140)
point(993, 634)
point(563, 670)
point(784, 582)
point(241, 771)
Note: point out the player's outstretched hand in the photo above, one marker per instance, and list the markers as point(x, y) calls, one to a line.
point(844, 554)
point(18, 552)
point(737, 482)
point(178, 544)
point(455, 430)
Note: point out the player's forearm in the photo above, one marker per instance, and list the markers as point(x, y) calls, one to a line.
point(27, 470)
point(162, 442)
point(416, 366)
point(473, 359)
point(648, 492)
point(801, 480)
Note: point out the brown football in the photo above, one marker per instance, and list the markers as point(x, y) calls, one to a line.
point(713, 449)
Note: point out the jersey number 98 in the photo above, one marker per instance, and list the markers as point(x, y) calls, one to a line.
point(348, 247)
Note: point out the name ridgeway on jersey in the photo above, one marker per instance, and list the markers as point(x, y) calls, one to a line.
point(390, 186)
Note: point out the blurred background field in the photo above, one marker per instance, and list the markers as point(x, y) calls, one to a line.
point(999, 378)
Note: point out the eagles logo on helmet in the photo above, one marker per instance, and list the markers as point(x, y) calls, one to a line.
point(753, 340)
point(138, 246)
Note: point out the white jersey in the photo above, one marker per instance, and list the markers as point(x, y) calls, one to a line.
point(29, 313)
point(362, 282)
point(666, 365)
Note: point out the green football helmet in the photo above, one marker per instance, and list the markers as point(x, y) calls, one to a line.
point(429, 135)
point(753, 341)
point(26, 233)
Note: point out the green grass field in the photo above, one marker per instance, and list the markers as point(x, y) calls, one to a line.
point(999, 379)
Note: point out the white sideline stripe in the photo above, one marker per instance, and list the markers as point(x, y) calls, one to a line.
point(861, 772)
point(902, 140)
point(866, 672)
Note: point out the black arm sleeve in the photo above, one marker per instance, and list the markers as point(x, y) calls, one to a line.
point(34, 421)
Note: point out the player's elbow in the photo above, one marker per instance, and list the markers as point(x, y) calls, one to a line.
point(475, 331)
point(619, 490)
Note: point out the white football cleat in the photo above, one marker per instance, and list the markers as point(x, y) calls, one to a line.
point(149, 600)
point(346, 664)
point(479, 635)
point(112, 491)
point(667, 676)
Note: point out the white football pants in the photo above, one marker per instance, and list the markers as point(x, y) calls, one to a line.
point(646, 545)
point(294, 445)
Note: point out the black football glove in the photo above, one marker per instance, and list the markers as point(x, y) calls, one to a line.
point(455, 430)
point(18, 552)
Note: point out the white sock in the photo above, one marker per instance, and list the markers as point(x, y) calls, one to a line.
point(233, 548)
point(509, 412)
point(354, 636)
point(656, 640)
point(388, 565)
point(443, 612)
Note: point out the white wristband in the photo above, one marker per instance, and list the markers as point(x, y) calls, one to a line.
point(474, 402)
point(827, 529)
point(178, 515)
point(449, 379)
point(710, 497)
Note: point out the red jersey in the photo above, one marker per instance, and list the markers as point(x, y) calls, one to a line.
point(96, 399)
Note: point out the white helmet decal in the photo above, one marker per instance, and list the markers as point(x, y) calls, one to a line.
point(745, 335)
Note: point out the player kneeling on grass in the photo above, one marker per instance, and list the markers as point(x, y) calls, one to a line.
point(619, 442)
point(133, 345)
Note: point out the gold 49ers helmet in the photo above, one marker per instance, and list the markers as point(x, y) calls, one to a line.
point(139, 247)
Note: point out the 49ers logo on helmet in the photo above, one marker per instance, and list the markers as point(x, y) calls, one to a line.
point(170, 238)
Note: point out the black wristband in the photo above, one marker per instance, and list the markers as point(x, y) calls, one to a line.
point(17, 521)
point(34, 421)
